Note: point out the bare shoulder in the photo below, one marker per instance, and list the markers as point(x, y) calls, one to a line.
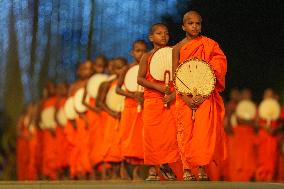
point(178, 46)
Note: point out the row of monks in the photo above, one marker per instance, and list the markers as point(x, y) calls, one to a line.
point(154, 129)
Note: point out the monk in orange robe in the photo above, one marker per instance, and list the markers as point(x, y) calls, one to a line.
point(93, 115)
point(201, 141)
point(111, 143)
point(160, 139)
point(80, 160)
point(131, 123)
point(49, 166)
point(268, 150)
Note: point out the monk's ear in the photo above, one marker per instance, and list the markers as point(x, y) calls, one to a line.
point(183, 28)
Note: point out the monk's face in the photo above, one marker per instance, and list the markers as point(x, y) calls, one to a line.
point(138, 50)
point(50, 89)
point(192, 25)
point(235, 95)
point(268, 93)
point(110, 66)
point(118, 66)
point(87, 69)
point(246, 94)
point(99, 65)
point(62, 89)
point(160, 36)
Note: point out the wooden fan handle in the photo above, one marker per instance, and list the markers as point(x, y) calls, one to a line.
point(167, 80)
point(139, 108)
point(193, 115)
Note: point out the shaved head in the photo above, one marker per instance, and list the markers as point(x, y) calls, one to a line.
point(190, 14)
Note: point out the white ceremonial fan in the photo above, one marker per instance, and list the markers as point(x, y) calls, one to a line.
point(246, 110)
point(47, 117)
point(269, 109)
point(195, 77)
point(61, 117)
point(130, 80)
point(78, 100)
point(69, 109)
point(161, 65)
point(94, 83)
point(114, 101)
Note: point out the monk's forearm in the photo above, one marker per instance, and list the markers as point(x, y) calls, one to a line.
point(124, 93)
point(148, 84)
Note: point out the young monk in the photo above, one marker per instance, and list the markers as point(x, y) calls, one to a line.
point(80, 163)
point(131, 123)
point(94, 116)
point(201, 141)
point(111, 143)
point(160, 143)
point(49, 166)
point(242, 156)
point(267, 145)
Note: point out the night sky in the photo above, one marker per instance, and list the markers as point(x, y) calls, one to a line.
point(251, 35)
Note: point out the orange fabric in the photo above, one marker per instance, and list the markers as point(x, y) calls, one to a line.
point(159, 141)
point(70, 134)
point(21, 154)
point(267, 153)
point(83, 164)
point(97, 132)
point(242, 155)
point(111, 143)
point(202, 141)
point(131, 127)
point(49, 156)
point(32, 169)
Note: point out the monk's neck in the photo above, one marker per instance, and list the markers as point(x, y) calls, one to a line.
point(190, 38)
point(156, 47)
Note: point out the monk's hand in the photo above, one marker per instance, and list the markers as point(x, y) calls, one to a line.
point(139, 97)
point(116, 115)
point(198, 99)
point(169, 98)
point(189, 102)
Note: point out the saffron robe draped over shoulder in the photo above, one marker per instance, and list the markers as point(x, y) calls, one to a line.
point(203, 141)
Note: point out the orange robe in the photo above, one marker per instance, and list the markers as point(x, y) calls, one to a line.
point(111, 144)
point(131, 127)
point(160, 134)
point(201, 142)
point(22, 156)
point(267, 153)
point(32, 169)
point(242, 145)
point(70, 133)
point(280, 172)
point(98, 131)
point(49, 161)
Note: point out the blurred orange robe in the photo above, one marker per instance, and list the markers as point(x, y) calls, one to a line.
point(160, 134)
point(202, 141)
point(242, 154)
point(49, 161)
point(267, 153)
point(131, 127)
point(111, 144)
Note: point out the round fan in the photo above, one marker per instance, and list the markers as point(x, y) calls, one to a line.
point(161, 63)
point(246, 110)
point(69, 109)
point(195, 77)
point(94, 83)
point(130, 80)
point(269, 109)
point(113, 100)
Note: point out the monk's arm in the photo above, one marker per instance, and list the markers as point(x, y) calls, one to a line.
point(219, 64)
point(120, 83)
point(141, 79)
point(84, 101)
